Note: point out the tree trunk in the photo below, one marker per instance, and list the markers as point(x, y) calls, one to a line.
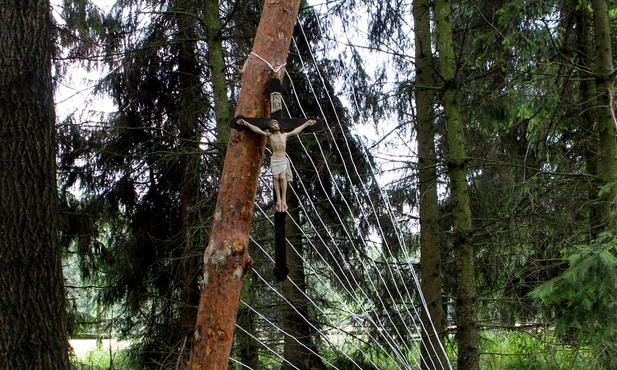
point(32, 307)
point(247, 348)
point(299, 350)
point(466, 309)
point(587, 95)
point(216, 63)
point(607, 148)
point(430, 251)
point(226, 259)
point(189, 110)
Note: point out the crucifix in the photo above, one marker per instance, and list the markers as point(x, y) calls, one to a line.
point(277, 130)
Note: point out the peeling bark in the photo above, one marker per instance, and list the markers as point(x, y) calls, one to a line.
point(226, 259)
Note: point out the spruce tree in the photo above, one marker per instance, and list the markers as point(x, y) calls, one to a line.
point(32, 303)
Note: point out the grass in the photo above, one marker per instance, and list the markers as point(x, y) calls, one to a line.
point(514, 350)
point(500, 350)
point(102, 358)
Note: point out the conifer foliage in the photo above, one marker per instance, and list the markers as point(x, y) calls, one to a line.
point(511, 103)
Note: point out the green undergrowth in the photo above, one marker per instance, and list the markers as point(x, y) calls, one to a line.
point(514, 350)
point(500, 350)
point(103, 359)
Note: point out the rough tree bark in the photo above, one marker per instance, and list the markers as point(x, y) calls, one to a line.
point(430, 251)
point(216, 63)
point(466, 310)
point(605, 119)
point(32, 307)
point(584, 50)
point(189, 110)
point(226, 259)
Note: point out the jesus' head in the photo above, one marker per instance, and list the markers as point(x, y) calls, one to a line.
point(274, 125)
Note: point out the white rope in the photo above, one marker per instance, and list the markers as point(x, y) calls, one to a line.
point(275, 70)
point(238, 361)
point(365, 299)
point(397, 229)
point(400, 238)
point(391, 341)
point(384, 284)
point(318, 330)
point(393, 344)
point(260, 341)
point(380, 303)
point(341, 300)
point(352, 285)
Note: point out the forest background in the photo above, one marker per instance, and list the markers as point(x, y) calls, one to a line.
point(490, 171)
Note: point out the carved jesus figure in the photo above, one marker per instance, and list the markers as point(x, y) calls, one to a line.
point(281, 169)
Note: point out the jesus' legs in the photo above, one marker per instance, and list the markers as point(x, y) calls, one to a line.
point(280, 189)
point(277, 191)
point(283, 185)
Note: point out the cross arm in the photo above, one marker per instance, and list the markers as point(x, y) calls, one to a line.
point(287, 124)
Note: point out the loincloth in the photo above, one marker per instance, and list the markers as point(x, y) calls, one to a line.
point(280, 165)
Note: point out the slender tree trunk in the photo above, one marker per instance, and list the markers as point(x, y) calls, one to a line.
point(189, 103)
point(430, 253)
point(607, 148)
point(32, 300)
point(217, 65)
point(226, 259)
point(298, 346)
point(466, 309)
point(247, 348)
point(588, 121)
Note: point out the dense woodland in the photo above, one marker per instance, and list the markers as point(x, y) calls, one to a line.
point(488, 184)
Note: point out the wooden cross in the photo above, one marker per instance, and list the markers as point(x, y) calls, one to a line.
point(286, 125)
point(276, 107)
